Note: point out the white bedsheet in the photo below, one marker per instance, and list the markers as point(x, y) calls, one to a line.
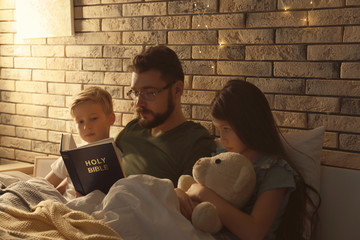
point(140, 207)
point(137, 207)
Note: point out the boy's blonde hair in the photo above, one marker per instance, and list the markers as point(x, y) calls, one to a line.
point(96, 95)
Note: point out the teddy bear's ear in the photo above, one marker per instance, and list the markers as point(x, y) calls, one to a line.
point(242, 180)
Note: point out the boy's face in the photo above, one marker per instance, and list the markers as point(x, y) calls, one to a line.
point(91, 121)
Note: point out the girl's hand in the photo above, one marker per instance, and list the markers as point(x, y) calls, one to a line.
point(186, 204)
point(200, 193)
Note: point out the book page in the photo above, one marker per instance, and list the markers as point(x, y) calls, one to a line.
point(102, 141)
point(67, 142)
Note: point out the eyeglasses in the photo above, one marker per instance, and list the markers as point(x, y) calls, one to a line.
point(147, 94)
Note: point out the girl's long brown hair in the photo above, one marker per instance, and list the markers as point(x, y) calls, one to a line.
point(247, 111)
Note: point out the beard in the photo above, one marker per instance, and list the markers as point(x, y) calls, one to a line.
point(158, 118)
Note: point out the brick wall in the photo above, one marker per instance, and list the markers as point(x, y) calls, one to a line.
point(303, 54)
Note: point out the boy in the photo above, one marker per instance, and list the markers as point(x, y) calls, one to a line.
point(92, 110)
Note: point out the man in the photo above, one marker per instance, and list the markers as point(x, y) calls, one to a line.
point(160, 141)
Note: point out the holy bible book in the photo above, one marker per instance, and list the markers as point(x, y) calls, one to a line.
point(93, 166)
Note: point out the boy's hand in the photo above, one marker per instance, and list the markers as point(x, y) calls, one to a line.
point(77, 194)
point(62, 186)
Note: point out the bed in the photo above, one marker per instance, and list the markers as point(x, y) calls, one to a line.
point(138, 207)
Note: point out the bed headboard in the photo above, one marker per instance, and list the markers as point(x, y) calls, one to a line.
point(340, 209)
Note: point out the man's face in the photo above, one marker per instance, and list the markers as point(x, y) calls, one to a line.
point(155, 112)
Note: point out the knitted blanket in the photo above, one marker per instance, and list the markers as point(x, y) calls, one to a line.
point(52, 220)
point(34, 210)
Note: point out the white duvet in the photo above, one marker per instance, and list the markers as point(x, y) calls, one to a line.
point(139, 207)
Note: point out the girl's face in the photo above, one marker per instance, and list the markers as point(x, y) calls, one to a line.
point(228, 137)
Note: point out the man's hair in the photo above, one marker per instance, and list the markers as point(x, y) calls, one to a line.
point(159, 58)
point(96, 95)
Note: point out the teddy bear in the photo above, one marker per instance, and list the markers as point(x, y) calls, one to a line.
point(231, 175)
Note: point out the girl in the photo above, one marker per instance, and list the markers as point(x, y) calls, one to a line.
point(278, 207)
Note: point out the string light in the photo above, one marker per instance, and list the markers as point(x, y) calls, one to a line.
point(287, 8)
point(201, 10)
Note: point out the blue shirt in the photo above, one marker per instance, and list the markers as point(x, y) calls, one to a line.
point(271, 173)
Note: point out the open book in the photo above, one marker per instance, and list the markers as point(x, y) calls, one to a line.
point(93, 166)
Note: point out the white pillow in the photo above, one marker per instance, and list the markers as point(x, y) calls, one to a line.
point(304, 149)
